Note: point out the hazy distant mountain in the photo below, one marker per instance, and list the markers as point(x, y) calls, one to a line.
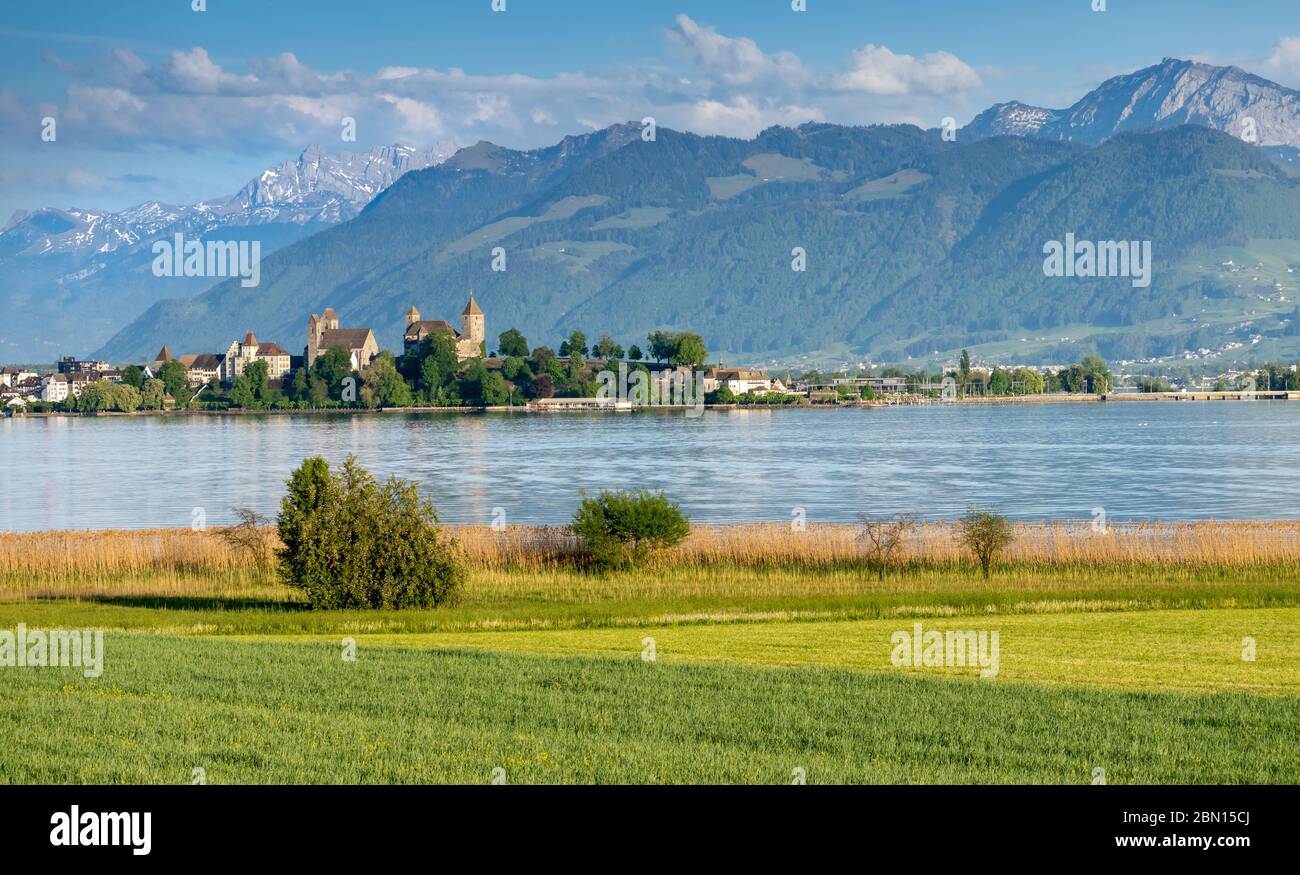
point(74, 277)
point(910, 245)
point(1171, 93)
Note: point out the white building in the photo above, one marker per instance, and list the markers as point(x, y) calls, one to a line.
point(13, 376)
point(741, 381)
point(203, 368)
point(55, 387)
point(243, 353)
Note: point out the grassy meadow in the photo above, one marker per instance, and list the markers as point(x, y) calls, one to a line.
point(772, 651)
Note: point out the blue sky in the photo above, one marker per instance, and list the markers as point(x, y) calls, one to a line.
point(154, 100)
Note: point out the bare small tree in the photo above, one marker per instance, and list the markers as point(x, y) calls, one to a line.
point(985, 534)
point(883, 538)
point(251, 536)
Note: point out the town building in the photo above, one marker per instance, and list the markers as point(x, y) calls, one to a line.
point(879, 385)
point(741, 381)
point(469, 340)
point(59, 387)
point(242, 353)
point(324, 333)
point(73, 365)
point(12, 377)
point(163, 357)
point(204, 367)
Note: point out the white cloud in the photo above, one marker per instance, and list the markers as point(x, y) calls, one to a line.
point(720, 84)
point(877, 70)
point(734, 61)
point(1283, 62)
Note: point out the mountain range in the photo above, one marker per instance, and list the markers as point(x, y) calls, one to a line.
point(911, 245)
point(1171, 93)
point(75, 276)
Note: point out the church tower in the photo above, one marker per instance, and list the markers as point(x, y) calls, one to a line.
point(471, 324)
point(412, 316)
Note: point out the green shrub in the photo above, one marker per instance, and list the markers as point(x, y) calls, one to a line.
point(623, 528)
point(350, 542)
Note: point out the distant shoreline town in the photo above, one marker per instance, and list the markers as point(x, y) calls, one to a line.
point(442, 367)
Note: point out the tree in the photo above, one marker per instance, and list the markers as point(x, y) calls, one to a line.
point(350, 542)
point(606, 348)
point(963, 368)
point(1096, 374)
point(329, 371)
point(516, 370)
point(249, 535)
point(382, 386)
point(688, 350)
point(1027, 381)
point(720, 395)
point(542, 386)
point(575, 348)
point(102, 395)
point(133, 376)
point(999, 382)
point(151, 394)
point(242, 394)
point(985, 534)
point(883, 539)
point(662, 345)
point(623, 528)
point(440, 362)
point(678, 349)
point(176, 381)
point(512, 343)
point(634, 353)
point(478, 385)
point(126, 398)
point(299, 385)
point(541, 357)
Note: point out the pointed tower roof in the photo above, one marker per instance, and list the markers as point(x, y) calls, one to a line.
point(329, 313)
point(471, 309)
point(413, 312)
point(249, 339)
point(164, 355)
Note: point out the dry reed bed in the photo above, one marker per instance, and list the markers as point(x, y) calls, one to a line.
point(124, 554)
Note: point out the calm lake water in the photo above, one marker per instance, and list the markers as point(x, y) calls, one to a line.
point(1151, 460)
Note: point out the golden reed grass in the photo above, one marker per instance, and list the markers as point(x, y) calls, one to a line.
point(123, 554)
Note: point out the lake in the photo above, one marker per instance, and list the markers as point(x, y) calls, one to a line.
point(1138, 460)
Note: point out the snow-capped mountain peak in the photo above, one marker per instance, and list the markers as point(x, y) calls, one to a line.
point(315, 187)
point(1171, 93)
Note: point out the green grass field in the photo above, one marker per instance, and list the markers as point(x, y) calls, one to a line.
point(756, 674)
point(262, 711)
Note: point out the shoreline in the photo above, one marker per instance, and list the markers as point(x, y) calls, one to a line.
point(904, 401)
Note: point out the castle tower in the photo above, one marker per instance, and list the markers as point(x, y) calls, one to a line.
point(314, 328)
point(412, 316)
point(471, 323)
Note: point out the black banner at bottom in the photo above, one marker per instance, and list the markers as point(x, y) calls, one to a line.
point(335, 823)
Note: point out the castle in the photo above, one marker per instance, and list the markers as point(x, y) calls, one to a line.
point(469, 340)
point(324, 333)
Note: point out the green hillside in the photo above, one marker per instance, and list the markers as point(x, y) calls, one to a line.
point(911, 246)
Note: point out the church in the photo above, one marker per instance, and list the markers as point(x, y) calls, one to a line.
point(469, 340)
